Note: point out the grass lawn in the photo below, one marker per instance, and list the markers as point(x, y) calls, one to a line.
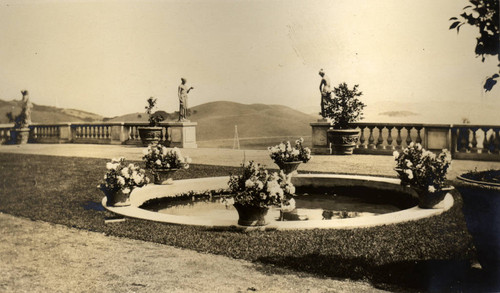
point(433, 253)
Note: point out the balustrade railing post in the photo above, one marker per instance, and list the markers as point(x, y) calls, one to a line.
point(380, 140)
point(362, 139)
point(371, 139)
point(419, 138)
point(463, 141)
point(399, 139)
point(408, 136)
point(389, 138)
point(474, 141)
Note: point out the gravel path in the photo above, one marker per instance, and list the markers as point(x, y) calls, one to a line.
point(41, 257)
point(356, 164)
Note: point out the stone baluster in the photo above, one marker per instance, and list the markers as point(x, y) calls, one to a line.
point(474, 141)
point(107, 132)
point(496, 149)
point(419, 138)
point(408, 136)
point(389, 138)
point(380, 140)
point(486, 147)
point(399, 139)
point(362, 138)
point(371, 139)
point(463, 139)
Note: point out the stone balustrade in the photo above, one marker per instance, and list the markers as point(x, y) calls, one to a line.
point(180, 134)
point(474, 142)
point(466, 141)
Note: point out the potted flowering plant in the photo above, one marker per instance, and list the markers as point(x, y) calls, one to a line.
point(344, 109)
point(20, 132)
point(425, 172)
point(151, 134)
point(120, 180)
point(255, 190)
point(288, 157)
point(163, 162)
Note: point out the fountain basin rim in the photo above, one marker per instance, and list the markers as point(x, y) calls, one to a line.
point(141, 195)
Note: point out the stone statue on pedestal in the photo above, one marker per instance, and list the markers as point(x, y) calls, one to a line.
point(25, 115)
point(326, 91)
point(183, 100)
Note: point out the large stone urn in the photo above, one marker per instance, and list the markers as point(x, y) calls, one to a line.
point(343, 140)
point(150, 134)
point(117, 198)
point(20, 135)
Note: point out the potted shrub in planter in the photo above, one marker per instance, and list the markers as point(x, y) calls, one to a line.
point(151, 134)
point(163, 162)
point(120, 180)
point(425, 172)
point(288, 157)
point(255, 190)
point(343, 109)
point(20, 133)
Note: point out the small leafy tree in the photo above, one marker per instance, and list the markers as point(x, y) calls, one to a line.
point(345, 107)
point(484, 15)
point(154, 120)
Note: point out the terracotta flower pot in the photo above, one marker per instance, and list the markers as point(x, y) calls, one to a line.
point(343, 140)
point(164, 176)
point(289, 167)
point(428, 200)
point(251, 215)
point(117, 198)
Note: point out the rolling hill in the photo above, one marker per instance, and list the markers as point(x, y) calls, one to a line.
point(216, 120)
point(46, 114)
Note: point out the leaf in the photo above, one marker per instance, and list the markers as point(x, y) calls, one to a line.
point(453, 25)
point(468, 6)
point(453, 18)
point(458, 27)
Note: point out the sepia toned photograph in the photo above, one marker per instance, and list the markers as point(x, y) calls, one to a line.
point(249, 146)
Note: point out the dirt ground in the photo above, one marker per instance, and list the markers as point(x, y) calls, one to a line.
point(42, 257)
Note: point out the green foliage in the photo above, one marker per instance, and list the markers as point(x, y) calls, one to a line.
point(18, 120)
point(154, 120)
point(345, 107)
point(484, 15)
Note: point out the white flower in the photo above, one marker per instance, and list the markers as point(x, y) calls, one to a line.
point(145, 151)
point(295, 152)
point(121, 180)
point(125, 172)
point(301, 140)
point(408, 163)
point(395, 154)
point(260, 185)
point(112, 166)
point(249, 183)
point(126, 190)
point(168, 165)
point(282, 147)
point(158, 162)
point(409, 173)
point(431, 189)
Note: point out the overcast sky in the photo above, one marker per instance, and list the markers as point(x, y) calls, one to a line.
point(108, 57)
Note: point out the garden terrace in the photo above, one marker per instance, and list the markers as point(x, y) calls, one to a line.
point(398, 257)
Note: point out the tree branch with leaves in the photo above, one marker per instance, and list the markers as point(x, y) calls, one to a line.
point(484, 15)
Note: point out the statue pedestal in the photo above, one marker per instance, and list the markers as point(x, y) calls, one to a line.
point(182, 134)
point(320, 143)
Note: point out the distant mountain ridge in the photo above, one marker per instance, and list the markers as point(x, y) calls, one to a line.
point(216, 120)
point(47, 114)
